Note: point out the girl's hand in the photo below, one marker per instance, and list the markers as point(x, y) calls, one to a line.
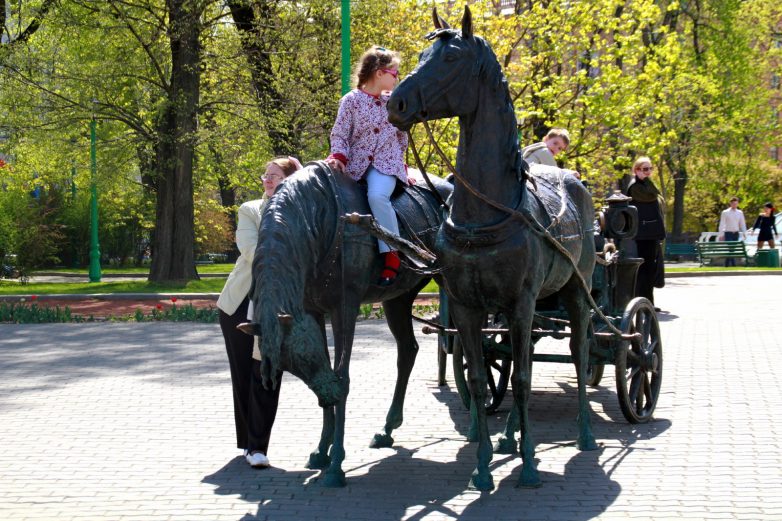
point(411, 181)
point(336, 164)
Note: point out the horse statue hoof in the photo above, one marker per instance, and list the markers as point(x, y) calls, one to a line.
point(505, 446)
point(381, 441)
point(318, 461)
point(529, 479)
point(587, 443)
point(481, 481)
point(334, 479)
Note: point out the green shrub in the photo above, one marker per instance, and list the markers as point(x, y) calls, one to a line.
point(23, 313)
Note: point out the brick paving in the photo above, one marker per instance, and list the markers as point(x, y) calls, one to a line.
point(133, 421)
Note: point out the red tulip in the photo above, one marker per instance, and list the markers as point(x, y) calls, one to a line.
point(33, 297)
point(159, 306)
point(173, 299)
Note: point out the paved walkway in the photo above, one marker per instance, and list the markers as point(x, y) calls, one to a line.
point(123, 421)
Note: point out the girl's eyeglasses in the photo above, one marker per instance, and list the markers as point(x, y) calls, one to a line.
point(392, 72)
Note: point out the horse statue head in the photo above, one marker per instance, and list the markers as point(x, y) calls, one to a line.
point(295, 344)
point(458, 75)
point(447, 73)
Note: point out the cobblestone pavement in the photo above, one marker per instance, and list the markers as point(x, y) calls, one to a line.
point(133, 421)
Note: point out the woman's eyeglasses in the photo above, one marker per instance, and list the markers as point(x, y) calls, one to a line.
point(646, 168)
point(392, 72)
point(271, 177)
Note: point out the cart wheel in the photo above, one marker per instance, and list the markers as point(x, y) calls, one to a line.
point(639, 363)
point(594, 374)
point(497, 371)
point(594, 371)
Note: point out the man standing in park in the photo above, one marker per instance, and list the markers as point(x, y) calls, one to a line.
point(731, 224)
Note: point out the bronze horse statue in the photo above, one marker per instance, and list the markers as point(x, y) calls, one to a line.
point(310, 263)
point(493, 259)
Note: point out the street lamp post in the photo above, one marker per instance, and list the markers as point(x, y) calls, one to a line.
point(345, 46)
point(94, 246)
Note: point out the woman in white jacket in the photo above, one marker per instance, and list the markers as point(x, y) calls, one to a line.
point(233, 303)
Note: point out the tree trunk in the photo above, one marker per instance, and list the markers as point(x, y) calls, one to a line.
point(678, 170)
point(248, 22)
point(227, 200)
point(173, 257)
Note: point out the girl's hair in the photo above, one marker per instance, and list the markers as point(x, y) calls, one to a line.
point(771, 207)
point(287, 164)
point(560, 133)
point(374, 59)
point(641, 160)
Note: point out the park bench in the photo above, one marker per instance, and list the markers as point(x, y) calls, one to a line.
point(721, 250)
point(674, 250)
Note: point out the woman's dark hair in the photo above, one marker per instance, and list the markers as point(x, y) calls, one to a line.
point(771, 206)
point(374, 59)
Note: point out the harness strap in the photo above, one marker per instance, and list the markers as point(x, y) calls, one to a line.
point(423, 172)
point(526, 217)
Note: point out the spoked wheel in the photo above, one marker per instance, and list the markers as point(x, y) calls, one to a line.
point(594, 370)
point(497, 369)
point(594, 374)
point(639, 362)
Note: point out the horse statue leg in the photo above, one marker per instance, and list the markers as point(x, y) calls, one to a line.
point(578, 313)
point(343, 323)
point(506, 443)
point(319, 459)
point(521, 380)
point(399, 322)
point(469, 322)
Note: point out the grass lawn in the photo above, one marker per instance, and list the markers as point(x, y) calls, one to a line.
point(215, 284)
point(143, 270)
point(696, 269)
point(210, 285)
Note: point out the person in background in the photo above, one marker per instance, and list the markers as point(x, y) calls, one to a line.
point(555, 141)
point(765, 223)
point(732, 224)
point(233, 303)
point(651, 229)
point(365, 145)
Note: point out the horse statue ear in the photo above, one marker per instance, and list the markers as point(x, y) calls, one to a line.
point(467, 23)
point(439, 23)
point(250, 328)
point(286, 321)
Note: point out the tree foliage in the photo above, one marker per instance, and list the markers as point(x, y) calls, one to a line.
point(192, 97)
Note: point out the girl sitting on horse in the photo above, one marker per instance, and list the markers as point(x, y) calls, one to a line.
point(365, 145)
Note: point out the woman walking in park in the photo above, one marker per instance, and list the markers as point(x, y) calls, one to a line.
point(254, 409)
point(364, 145)
point(651, 229)
point(765, 223)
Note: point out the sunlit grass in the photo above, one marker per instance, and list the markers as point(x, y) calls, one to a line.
point(696, 269)
point(215, 284)
point(224, 268)
point(210, 285)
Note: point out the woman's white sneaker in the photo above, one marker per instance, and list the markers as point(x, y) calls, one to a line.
point(257, 460)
